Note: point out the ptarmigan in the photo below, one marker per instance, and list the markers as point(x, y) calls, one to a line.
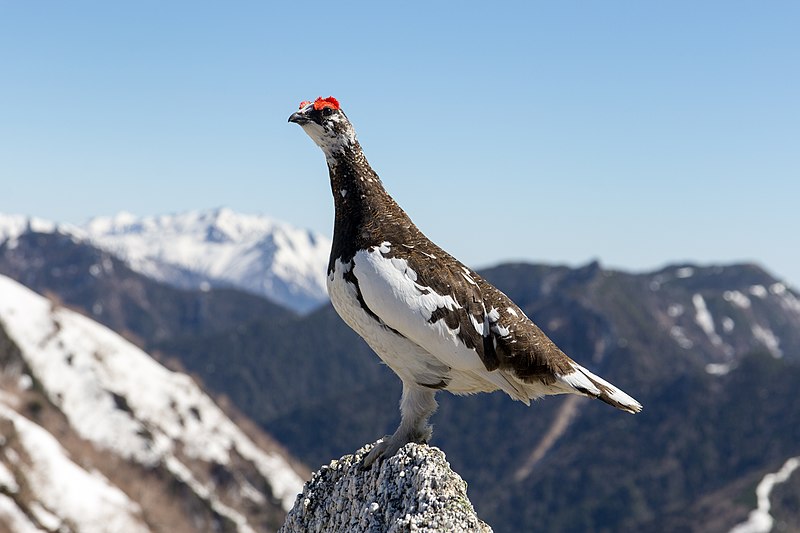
point(432, 320)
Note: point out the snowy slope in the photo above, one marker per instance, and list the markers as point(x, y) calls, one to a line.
point(220, 247)
point(67, 494)
point(119, 399)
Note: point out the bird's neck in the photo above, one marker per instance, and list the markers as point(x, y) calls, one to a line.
point(355, 186)
point(361, 203)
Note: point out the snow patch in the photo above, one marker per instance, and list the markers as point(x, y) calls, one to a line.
point(12, 517)
point(180, 471)
point(789, 301)
point(777, 288)
point(705, 320)
point(8, 483)
point(718, 369)
point(67, 491)
point(737, 298)
point(727, 324)
point(47, 519)
point(759, 520)
point(759, 291)
point(768, 339)
point(25, 382)
point(680, 337)
point(675, 310)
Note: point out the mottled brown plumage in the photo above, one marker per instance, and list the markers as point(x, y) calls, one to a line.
point(434, 321)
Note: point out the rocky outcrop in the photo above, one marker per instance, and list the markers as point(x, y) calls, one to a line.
point(416, 490)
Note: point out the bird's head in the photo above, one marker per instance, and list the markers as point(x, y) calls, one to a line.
point(326, 124)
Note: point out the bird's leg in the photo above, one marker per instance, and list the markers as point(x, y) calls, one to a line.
point(416, 407)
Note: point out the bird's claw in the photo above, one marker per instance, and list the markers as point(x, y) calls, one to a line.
point(376, 452)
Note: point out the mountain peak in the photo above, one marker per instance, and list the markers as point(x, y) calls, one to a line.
point(220, 247)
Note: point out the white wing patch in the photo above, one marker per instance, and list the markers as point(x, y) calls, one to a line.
point(503, 331)
point(480, 327)
point(390, 290)
point(468, 276)
point(493, 318)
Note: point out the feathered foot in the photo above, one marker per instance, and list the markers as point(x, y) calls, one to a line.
point(416, 406)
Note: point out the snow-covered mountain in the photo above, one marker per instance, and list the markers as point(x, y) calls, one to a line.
point(210, 248)
point(219, 247)
point(97, 436)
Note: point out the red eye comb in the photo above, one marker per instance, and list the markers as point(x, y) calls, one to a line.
point(321, 103)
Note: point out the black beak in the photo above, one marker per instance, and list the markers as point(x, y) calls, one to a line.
point(298, 118)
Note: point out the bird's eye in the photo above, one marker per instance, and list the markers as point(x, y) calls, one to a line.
point(327, 111)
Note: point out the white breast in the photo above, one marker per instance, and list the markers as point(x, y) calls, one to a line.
point(408, 360)
point(390, 290)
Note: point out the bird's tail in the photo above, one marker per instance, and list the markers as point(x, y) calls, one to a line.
point(582, 381)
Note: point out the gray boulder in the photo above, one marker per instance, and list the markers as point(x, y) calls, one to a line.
point(413, 491)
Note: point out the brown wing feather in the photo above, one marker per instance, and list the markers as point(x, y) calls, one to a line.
point(520, 345)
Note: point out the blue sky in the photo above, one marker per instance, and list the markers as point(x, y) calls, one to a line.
point(635, 133)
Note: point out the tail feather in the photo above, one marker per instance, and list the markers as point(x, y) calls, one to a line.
point(584, 382)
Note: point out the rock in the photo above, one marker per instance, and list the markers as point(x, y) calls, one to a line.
point(413, 491)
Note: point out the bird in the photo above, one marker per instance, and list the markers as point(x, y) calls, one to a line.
point(434, 321)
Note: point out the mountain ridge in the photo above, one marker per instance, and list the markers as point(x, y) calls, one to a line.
point(203, 249)
point(265, 256)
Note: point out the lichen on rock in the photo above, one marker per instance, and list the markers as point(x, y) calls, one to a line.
point(416, 490)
